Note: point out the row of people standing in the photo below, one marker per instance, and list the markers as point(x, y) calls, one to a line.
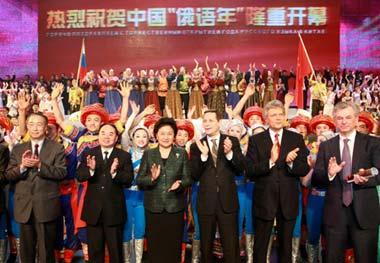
point(210, 123)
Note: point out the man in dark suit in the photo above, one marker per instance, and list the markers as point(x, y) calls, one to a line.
point(107, 170)
point(351, 210)
point(276, 158)
point(4, 159)
point(215, 161)
point(36, 167)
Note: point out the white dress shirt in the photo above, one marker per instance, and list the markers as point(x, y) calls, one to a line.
point(273, 138)
point(350, 143)
point(109, 151)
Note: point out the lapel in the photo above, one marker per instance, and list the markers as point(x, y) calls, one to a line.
point(283, 144)
point(336, 148)
point(43, 152)
point(99, 156)
point(358, 148)
point(221, 147)
point(171, 158)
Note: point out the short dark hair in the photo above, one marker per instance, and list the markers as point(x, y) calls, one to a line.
point(165, 122)
point(38, 114)
point(212, 111)
point(112, 125)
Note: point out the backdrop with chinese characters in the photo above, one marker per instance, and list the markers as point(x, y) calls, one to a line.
point(156, 34)
point(359, 38)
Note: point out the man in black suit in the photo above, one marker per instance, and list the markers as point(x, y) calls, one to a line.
point(215, 161)
point(107, 170)
point(36, 167)
point(276, 159)
point(351, 210)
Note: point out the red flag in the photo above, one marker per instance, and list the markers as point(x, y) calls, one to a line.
point(82, 67)
point(304, 68)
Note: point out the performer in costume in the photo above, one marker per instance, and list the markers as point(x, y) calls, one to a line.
point(196, 97)
point(112, 99)
point(183, 139)
point(134, 229)
point(151, 96)
point(90, 86)
point(183, 88)
point(319, 125)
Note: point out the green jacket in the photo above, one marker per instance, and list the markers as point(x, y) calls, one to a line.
point(156, 196)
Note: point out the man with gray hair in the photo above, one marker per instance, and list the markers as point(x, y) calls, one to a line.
point(276, 159)
point(351, 209)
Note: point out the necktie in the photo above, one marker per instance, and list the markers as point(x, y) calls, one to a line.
point(214, 151)
point(347, 170)
point(36, 149)
point(277, 142)
point(105, 156)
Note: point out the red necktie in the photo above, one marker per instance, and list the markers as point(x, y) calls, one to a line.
point(277, 142)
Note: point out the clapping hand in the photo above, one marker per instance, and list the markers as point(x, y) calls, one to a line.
point(155, 171)
point(202, 146)
point(175, 186)
point(114, 167)
point(334, 167)
point(29, 161)
point(227, 145)
point(292, 155)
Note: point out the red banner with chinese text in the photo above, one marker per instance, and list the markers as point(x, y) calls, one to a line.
point(157, 34)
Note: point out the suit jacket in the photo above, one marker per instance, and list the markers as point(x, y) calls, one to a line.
point(279, 184)
point(37, 190)
point(156, 196)
point(105, 196)
point(4, 160)
point(365, 198)
point(217, 184)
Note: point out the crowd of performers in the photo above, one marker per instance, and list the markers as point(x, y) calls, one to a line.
point(135, 103)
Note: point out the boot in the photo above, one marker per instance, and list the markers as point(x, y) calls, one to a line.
point(295, 249)
point(127, 252)
point(18, 250)
point(312, 253)
point(3, 250)
point(269, 249)
point(196, 251)
point(139, 249)
point(249, 247)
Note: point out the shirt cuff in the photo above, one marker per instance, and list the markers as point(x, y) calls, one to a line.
point(331, 177)
point(23, 170)
point(113, 175)
point(271, 164)
point(229, 155)
point(92, 172)
point(290, 165)
point(204, 157)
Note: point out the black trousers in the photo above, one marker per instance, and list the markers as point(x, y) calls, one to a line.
point(164, 232)
point(185, 102)
point(229, 236)
point(162, 100)
point(364, 241)
point(100, 235)
point(316, 107)
point(263, 230)
point(41, 236)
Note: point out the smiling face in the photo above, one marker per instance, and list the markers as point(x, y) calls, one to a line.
point(210, 124)
point(346, 120)
point(140, 138)
point(235, 131)
point(93, 122)
point(182, 138)
point(165, 136)
point(37, 127)
point(254, 119)
point(275, 118)
point(107, 136)
point(320, 128)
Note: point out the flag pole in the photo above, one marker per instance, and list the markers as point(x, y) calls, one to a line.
point(80, 59)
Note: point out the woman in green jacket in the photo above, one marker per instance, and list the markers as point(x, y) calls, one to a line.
point(164, 175)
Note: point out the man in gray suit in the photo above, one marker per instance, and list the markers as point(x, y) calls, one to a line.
point(36, 167)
